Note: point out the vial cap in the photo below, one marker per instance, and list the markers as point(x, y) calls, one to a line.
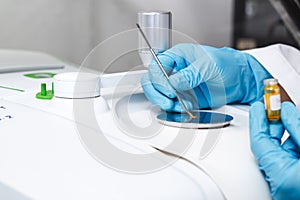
point(271, 81)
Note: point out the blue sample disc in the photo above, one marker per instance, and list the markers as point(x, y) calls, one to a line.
point(204, 119)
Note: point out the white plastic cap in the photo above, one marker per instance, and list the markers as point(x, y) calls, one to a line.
point(270, 81)
point(76, 85)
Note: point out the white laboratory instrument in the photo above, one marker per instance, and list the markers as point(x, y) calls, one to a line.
point(43, 155)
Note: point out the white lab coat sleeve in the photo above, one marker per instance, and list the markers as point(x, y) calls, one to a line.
point(282, 62)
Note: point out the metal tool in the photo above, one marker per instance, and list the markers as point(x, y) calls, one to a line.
point(164, 72)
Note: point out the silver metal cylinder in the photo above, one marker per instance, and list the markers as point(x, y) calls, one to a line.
point(157, 27)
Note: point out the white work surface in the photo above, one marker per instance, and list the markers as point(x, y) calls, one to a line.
point(43, 157)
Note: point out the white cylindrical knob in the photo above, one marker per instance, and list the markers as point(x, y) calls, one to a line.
point(76, 85)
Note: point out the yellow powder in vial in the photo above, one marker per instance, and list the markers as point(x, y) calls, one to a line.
point(272, 99)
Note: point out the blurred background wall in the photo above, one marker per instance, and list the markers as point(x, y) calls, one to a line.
point(70, 29)
point(58, 27)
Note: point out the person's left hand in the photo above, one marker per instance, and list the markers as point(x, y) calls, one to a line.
point(279, 162)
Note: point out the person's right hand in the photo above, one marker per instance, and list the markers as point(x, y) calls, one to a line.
point(279, 162)
point(206, 76)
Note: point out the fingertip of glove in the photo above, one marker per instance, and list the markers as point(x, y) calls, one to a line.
point(167, 105)
point(258, 119)
point(287, 106)
point(256, 108)
point(156, 98)
point(289, 114)
point(288, 109)
point(178, 107)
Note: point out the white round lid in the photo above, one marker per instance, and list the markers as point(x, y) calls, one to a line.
point(76, 85)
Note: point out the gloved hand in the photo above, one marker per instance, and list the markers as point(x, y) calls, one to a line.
point(206, 76)
point(279, 162)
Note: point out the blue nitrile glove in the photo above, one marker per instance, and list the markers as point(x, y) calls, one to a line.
point(279, 162)
point(206, 76)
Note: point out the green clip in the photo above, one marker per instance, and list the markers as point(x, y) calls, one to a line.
point(45, 94)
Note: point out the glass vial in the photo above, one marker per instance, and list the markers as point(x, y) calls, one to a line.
point(272, 99)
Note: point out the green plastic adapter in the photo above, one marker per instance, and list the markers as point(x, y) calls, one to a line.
point(45, 94)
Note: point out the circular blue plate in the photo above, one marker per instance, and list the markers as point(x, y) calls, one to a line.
point(204, 120)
